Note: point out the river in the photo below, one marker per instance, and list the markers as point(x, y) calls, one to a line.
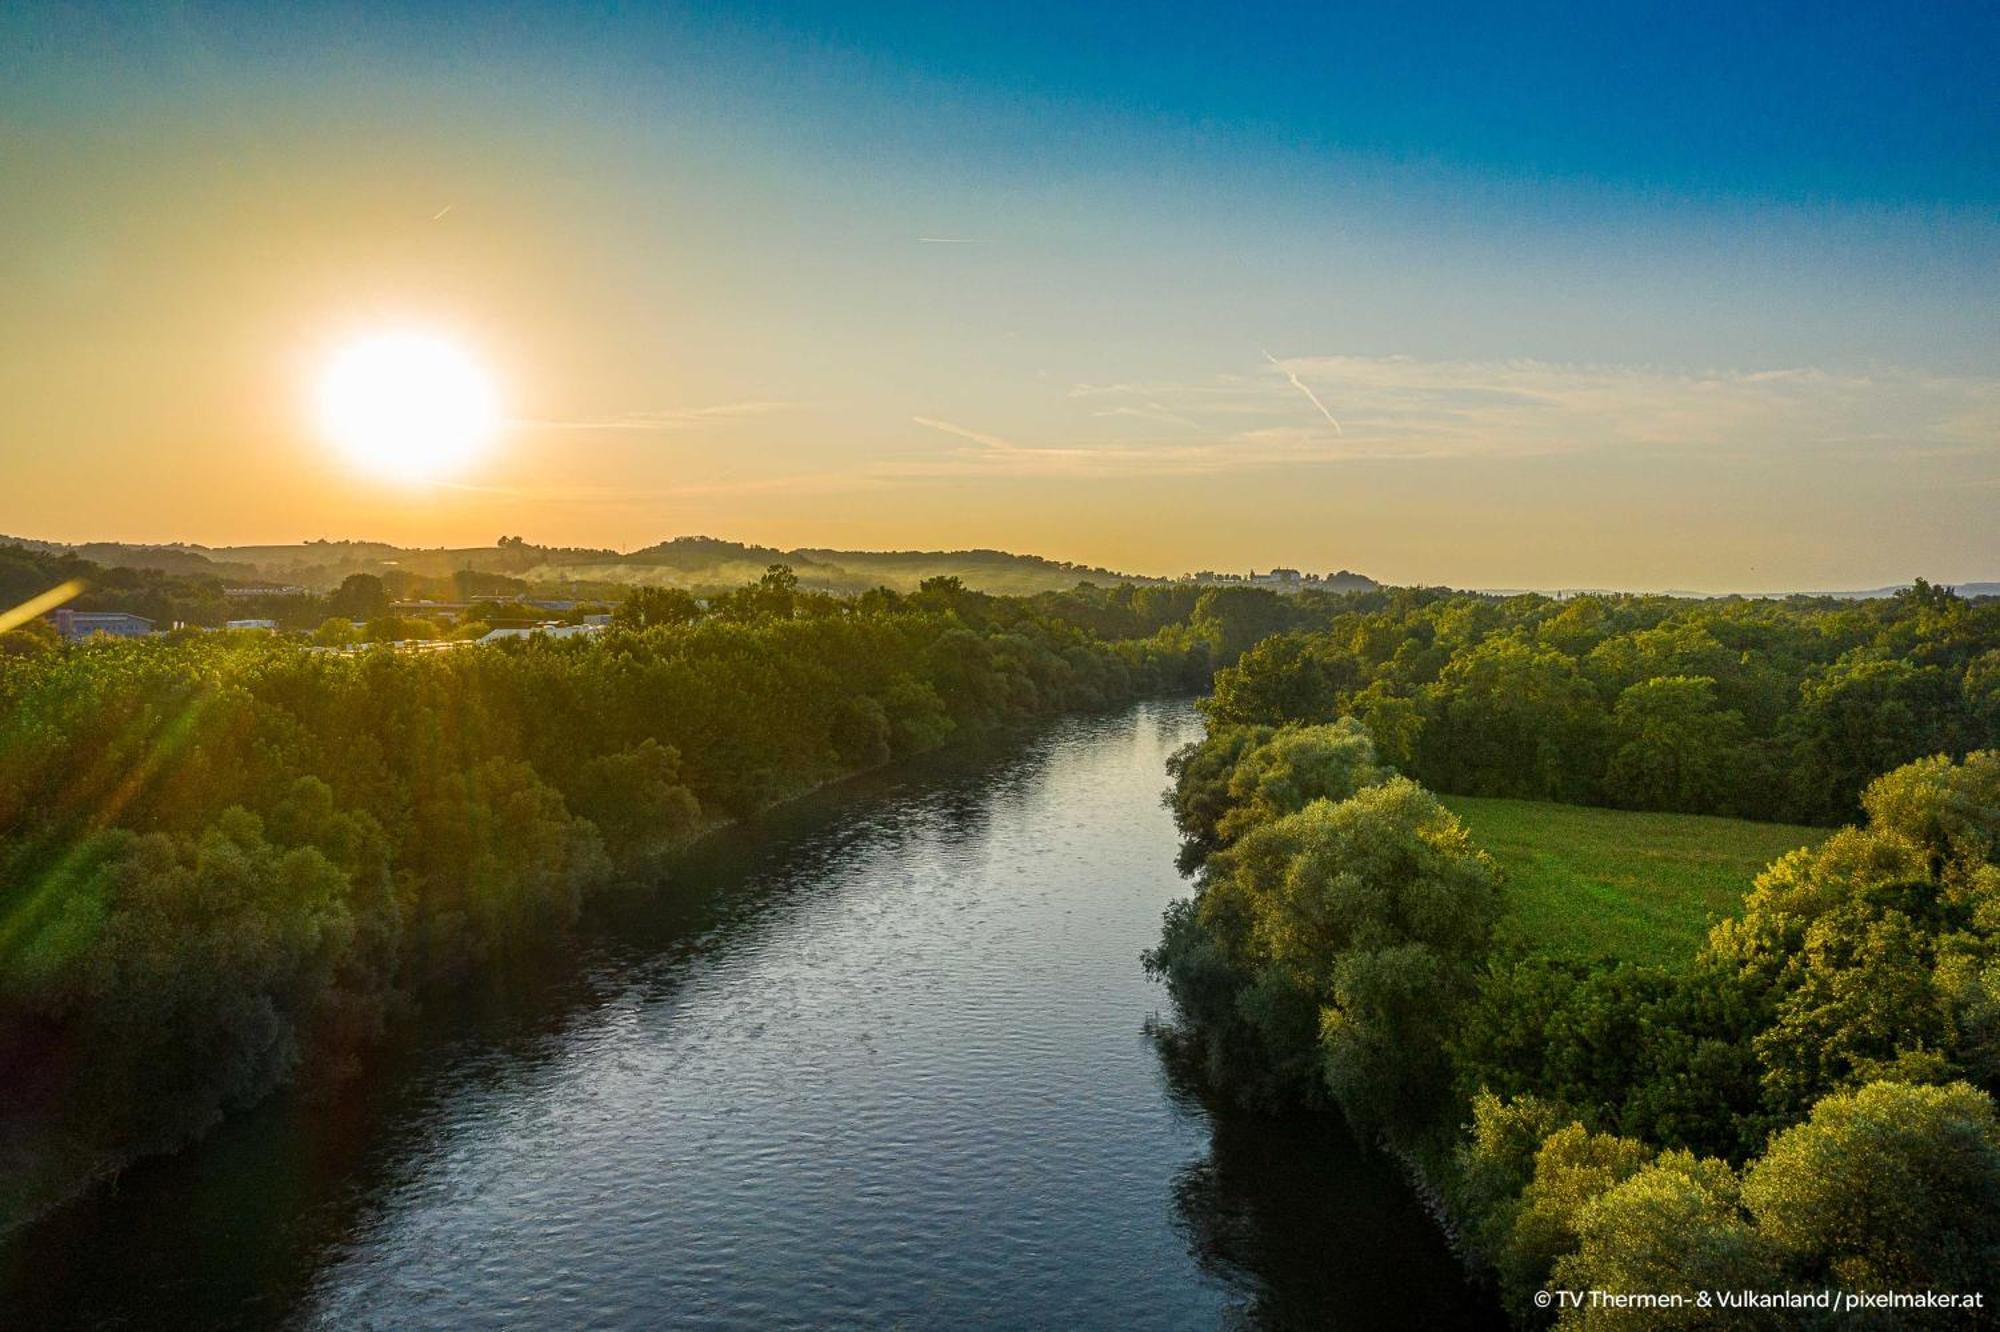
point(877, 1059)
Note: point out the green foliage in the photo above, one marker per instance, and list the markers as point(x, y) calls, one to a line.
point(1851, 1009)
point(336, 631)
point(359, 597)
point(1671, 1228)
point(1202, 772)
point(1294, 767)
point(1369, 914)
point(645, 607)
point(1889, 1187)
point(1763, 709)
point(228, 860)
point(1514, 718)
point(1496, 1162)
point(1650, 1052)
point(1846, 1025)
point(1674, 746)
point(1573, 1167)
point(1951, 810)
point(1878, 954)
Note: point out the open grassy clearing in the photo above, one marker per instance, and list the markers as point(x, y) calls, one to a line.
point(1597, 882)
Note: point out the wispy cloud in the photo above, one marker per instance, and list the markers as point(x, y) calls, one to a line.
point(1405, 409)
point(678, 418)
point(965, 432)
point(1401, 405)
point(1152, 412)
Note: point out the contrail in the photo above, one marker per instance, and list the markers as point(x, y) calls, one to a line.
point(442, 211)
point(1311, 397)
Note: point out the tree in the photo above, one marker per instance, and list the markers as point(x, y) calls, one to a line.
point(1378, 909)
point(31, 638)
point(1877, 955)
point(359, 597)
point(1234, 618)
point(1674, 747)
point(1573, 1166)
point(335, 631)
point(1863, 716)
point(1891, 1187)
point(1672, 1227)
point(1202, 771)
point(636, 799)
point(1513, 718)
point(1952, 810)
point(1294, 767)
point(645, 607)
point(1292, 677)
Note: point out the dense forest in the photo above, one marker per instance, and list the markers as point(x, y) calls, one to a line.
point(1760, 709)
point(230, 860)
point(233, 861)
point(1807, 1102)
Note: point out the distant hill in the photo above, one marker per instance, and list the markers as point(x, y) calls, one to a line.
point(698, 563)
point(1970, 591)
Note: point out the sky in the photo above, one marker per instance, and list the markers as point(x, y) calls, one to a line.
point(1693, 296)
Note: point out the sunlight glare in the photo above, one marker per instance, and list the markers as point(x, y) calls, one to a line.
point(407, 406)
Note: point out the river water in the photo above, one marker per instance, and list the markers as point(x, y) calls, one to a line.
point(879, 1059)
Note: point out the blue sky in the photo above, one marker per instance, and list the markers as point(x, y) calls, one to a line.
point(1694, 295)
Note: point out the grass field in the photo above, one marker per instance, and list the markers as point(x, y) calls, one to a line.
point(1593, 882)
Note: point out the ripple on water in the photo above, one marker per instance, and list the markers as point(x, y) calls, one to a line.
point(894, 1072)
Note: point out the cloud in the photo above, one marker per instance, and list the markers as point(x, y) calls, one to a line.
point(679, 418)
point(1404, 406)
point(964, 432)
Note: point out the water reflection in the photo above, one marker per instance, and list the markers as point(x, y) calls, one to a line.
point(1313, 1230)
point(876, 1059)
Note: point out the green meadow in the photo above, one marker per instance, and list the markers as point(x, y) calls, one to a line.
point(1621, 883)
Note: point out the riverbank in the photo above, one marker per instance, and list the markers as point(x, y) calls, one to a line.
point(879, 1057)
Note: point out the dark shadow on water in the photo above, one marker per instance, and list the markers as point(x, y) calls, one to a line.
point(234, 1230)
point(1293, 1223)
point(1316, 1229)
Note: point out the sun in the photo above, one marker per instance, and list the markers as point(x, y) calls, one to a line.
point(407, 406)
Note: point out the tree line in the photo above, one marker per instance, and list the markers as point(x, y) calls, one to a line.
point(1806, 1103)
point(1778, 710)
point(229, 861)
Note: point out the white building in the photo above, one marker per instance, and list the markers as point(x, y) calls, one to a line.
point(552, 630)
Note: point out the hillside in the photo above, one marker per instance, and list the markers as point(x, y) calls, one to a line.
point(698, 563)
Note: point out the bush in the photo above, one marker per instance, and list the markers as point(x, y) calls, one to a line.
point(1891, 1187)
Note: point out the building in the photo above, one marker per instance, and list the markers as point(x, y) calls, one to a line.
point(250, 624)
point(75, 624)
point(552, 630)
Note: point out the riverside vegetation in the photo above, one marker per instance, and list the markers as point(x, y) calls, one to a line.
point(1805, 1101)
point(232, 860)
